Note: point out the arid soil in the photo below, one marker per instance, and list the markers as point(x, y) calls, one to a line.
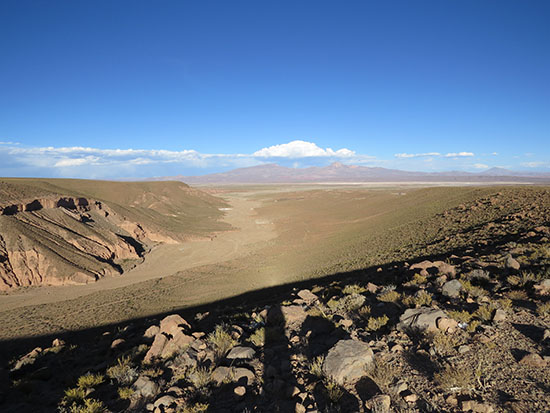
point(247, 234)
point(451, 315)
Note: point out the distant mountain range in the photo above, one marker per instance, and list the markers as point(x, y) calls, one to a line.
point(340, 173)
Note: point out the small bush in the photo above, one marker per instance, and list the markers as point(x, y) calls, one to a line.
point(75, 394)
point(89, 381)
point(419, 279)
point(376, 323)
point(258, 337)
point(200, 377)
point(518, 295)
point(460, 316)
point(389, 297)
point(543, 309)
point(364, 312)
point(484, 313)
point(123, 372)
point(472, 290)
point(444, 343)
point(383, 374)
point(196, 408)
point(422, 298)
point(221, 341)
point(125, 392)
point(505, 303)
point(472, 326)
point(455, 378)
point(353, 289)
point(316, 366)
point(334, 390)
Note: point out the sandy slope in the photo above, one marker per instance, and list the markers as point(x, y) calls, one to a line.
point(166, 259)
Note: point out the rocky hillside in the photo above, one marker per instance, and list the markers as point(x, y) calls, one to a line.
point(467, 331)
point(64, 232)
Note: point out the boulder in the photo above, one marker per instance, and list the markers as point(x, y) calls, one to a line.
point(151, 332)
point(173, 324)
point(452, 289)
point(156, 348)
point(240, 352)
point(420, 319)
point(532, 360)
point(145, 387)
point(500, 315)
point(380, 404)
point(234, 374)
point(543, 288)
point(307, 296)
point(165, 401)
point(476, 407)
point(347, 361)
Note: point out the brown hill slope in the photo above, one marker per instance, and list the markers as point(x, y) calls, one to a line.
point(76, 231)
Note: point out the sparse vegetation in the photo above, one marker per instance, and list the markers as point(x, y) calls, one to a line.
point(89, 381)
point(376, 323)
point(455, 378)
point(221, 341)
point(316, 366)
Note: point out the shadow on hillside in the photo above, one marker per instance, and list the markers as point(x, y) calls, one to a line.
point(90, 350)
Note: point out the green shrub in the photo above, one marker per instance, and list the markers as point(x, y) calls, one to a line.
point(376, 323)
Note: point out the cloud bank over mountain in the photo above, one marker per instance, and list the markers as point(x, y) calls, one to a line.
point(89, 162)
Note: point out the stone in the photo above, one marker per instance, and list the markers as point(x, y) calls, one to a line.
point(420, 319)
point(446, 324)
point(239, 391)
point(58, 343)
point(166, 401)
point(299, 408)
point(156, 348)
point(372, 288)
point(117, 343)
point(512, 263)
point(463, 349)
point(145, 387)
point(500, 315)
point(243, 353)
point(399, 387)
point(151, 332)
point(234, 374)
point(307, 296)
point(347, 361)
point(410, 398)
point(173, 324)
point(380, 404)
point(532, 360)
point(543, 288)
point(452, 289)
point(178, 342)
point(476, 407)
point(294, 316)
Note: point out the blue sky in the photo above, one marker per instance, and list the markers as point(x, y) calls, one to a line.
point(110, 89)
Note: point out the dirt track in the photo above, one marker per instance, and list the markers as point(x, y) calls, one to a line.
point(167, 259)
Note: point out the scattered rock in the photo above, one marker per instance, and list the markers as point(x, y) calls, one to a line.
point(173, 324)
point(500, 315)
point(446, 324)
point(156, 348)
point(380, 404)
point(452, 288)
point(532, 360)
point(239, 352)
point(117, 343)
point(347, 361)
point(476, 407)
point(307, 296)
point(512, 263)
point(239, 391)
point(543, 288)
point(58, 343)
point(145, 387)
point(235, 374)
point(420, 319)
point(165, 401)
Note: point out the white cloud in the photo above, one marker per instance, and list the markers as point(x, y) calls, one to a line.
point(416, 155)
point(430, 154)
point(458, 154)
point(494, 153)
point(301, 149)
point(537, 164)
point(67, 162)
point(480, 166)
